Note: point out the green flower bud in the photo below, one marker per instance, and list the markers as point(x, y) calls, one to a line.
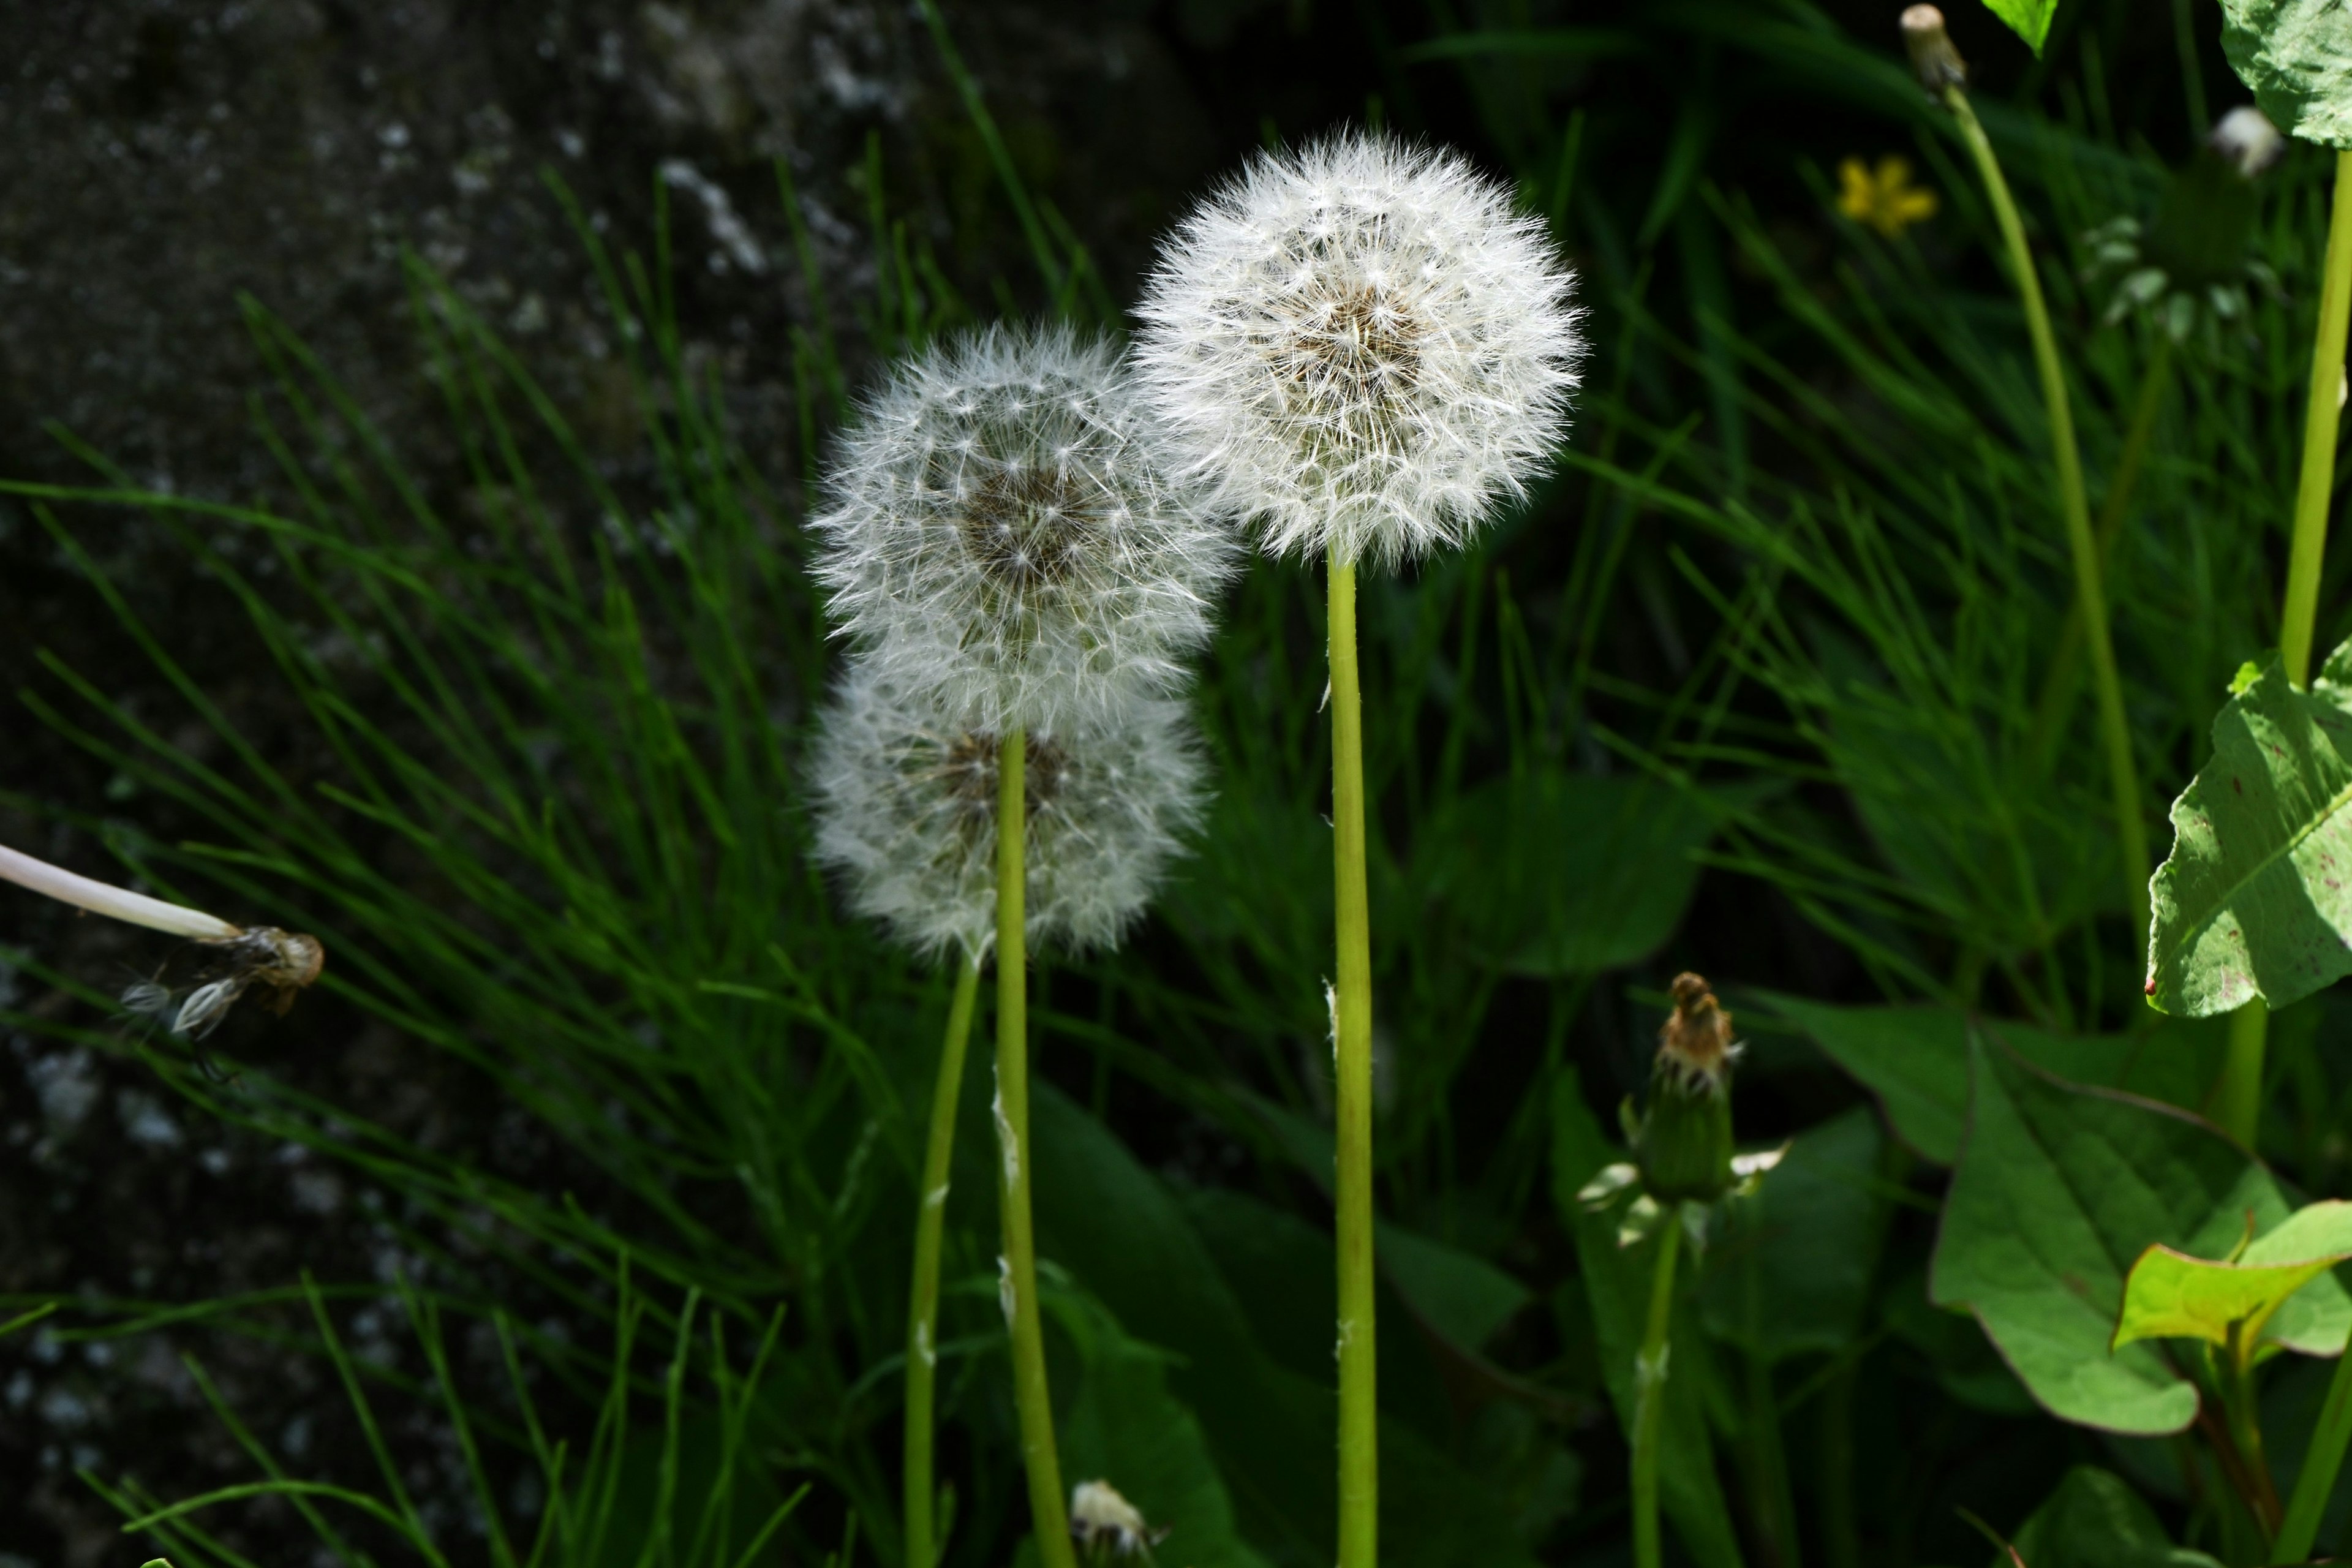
point(1684, 1144)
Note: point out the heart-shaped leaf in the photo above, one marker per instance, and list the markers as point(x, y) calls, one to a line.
point(2256, 897)
point(2058, 1190)
point(2297, 56)
point(2095, 1520)
point(2240, 1304)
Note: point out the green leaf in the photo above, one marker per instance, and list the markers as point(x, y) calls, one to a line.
point(2172, 1295)
point(1791, 1270)
point(2296, 55)
point(2095, 1520)
point(1125, 1428)
point(1617, 1287)
point(2058, 1189)
point(1463, 1296)
point(2256, 897)
point(1117, 1230)
point(2028, 18)
point(1915, 1059)
point(1550, 873)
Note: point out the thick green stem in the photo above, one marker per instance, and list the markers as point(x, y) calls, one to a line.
point(2244, 1415)
point(2091, 600)
point(1017, 1284)
point(2238, 1097)
point(1650, 1393)
point(1769, 1494)
point(2322, 412)
point(2322, 415)
point(1359, 1458)
point(2321, 1463)
point(923, 1297)
point(2065, 673)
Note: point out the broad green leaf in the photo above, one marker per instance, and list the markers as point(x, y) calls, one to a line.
point(1125, 1428)
point(2028, 18)
point(2172, 1295)
point(1550, 872)
point(1115, 1227)
point(2297, 56)
point(1617, 1288)
point(1915, 1059)
point(2095, 1519)
point(2256, 897)
point(2058, 1189)
point(1789, 1271)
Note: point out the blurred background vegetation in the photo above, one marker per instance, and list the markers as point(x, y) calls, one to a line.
point(471, 362)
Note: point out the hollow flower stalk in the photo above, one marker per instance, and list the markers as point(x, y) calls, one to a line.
point(1361, 347)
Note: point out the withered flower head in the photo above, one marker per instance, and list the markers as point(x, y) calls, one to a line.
point(1934, 60)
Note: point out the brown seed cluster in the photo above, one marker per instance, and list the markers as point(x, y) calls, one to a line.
point(1359, 355)
point(1696, 1041)
point(1028, 527)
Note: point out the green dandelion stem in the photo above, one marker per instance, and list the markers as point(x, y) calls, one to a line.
point(2091, 602)
point(1049, 1518)
point(923, 1306)
point(1352, 1028)
point(1650, 1393)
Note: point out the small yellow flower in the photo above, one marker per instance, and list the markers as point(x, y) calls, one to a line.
point(1886, 198)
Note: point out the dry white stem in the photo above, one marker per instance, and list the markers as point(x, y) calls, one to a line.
point(115, 903)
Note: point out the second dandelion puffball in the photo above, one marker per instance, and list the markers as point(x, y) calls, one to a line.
point(1363, 346)
point(1001, 530)
point(905, 793)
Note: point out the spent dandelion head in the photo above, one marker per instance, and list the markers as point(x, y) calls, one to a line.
point(2192, 271)
point(1002, 528)
point(1363, 346)
point(1107, 1527)
point(905, 792)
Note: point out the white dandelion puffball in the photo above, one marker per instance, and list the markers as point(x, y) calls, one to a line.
point(1002, 528)
point(1363, 346)
point(904, 797)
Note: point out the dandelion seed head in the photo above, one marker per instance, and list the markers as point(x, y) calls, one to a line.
point(1362, 347)
point(905, 794)
point(1003, 528)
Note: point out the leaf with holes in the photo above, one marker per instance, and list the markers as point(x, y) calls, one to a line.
point(2256, 897)
point(2297, 56)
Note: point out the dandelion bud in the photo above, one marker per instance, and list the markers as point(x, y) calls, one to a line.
point(1361, 346)
point(905, 794)
point(1683, 1146)
point(1001, 530)
point(1934, 60)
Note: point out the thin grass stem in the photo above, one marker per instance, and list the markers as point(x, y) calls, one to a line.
point(1049, 1518)
point(1650, 1394)
point(923, 1307)
point(2123, 772)
point(1360, 1474)
point(2065, 673)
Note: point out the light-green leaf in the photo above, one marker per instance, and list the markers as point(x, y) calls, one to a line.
point(2256, 897)
point(2172, 1295)
point(2297, 56)
point(2057, 1190)
point(2029, 19)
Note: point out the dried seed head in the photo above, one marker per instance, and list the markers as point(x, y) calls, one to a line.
point(1363, 346)
point(1934, 60)
point(1695, 1043)
point(1107, 1525)
point(904, 795)
point(1002, 528)
point(2247, 140)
